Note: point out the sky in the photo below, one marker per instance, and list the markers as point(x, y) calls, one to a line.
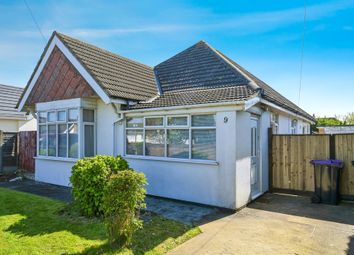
point(265, 37)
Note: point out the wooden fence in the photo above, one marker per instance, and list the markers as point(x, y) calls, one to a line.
point(27, 150)
point(290, 157)
point(8, 152)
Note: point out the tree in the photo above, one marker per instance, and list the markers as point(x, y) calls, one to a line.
point(349, 119)
point(324, 121)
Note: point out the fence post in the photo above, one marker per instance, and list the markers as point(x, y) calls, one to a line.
point(332, 146)
point(270, 159)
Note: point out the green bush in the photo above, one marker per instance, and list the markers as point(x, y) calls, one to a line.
point(89, 178)
point(123, 198)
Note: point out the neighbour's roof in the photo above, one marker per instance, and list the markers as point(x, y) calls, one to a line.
point(9, 96)
point(120, 77)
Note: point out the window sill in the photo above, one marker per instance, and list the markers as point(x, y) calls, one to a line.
point(57, 159)
point(177, 160)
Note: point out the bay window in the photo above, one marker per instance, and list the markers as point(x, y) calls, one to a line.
point(59, 133)
point(180, 137)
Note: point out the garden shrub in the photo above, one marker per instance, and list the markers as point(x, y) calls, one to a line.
point(89, 178)
point(123, 198)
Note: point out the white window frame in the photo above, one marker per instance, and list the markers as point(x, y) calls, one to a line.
point(293, 128)
point(166, 127)
point(80, 132)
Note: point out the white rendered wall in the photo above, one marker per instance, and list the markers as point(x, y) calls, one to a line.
point(8, 125)
point(27, 125)
point(195, 182)
point(53, 171)
point(106, 117)
point(243, 159)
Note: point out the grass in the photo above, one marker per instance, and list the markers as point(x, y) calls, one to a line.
point(31, 224)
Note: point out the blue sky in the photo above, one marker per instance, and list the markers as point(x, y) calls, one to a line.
point(262, 36)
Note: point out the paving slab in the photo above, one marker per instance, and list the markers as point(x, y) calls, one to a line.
point(278, 224)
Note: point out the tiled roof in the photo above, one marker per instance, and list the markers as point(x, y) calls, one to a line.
point(201, 67)
point(120, 77)
point(9, 96)
point(199, 96)
point(197, 67)
point(272, 95)
point(197, 75)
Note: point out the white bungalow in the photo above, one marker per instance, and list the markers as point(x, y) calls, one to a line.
point(196, 124)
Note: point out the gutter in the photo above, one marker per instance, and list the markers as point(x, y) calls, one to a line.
point(244, 104)
point(263, 101)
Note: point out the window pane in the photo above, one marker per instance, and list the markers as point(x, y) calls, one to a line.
point(134, 122)
point(89, 141)
point(178, 143)
point(134, 142)
point(42, 135)
point(155, 142)
point(62, 140)
point(155, 121)
point(177, 121)
point(204, 144)
point(73, 141)
point(88, 115)
point(42, 117)
point(203, 120)
point(52, 116)
point(62, 116)
point(73, 114)
point(52, 140)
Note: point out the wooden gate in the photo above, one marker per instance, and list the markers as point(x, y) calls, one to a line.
point(8, 152)
point(290, 156)
point(27, 150)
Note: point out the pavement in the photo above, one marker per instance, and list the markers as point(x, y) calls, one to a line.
point(277, 224)
point(184, 212)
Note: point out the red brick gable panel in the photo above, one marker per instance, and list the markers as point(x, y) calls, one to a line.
point(58, 80)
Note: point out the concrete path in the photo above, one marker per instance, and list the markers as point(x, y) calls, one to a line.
point(278, 224)
point(183, 212)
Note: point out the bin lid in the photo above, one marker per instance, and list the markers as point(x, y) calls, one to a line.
point(328, 162)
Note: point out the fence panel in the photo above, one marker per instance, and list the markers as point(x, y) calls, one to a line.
point(344, 150)
point(8, 144)
point(291, 156)
point(27, 150)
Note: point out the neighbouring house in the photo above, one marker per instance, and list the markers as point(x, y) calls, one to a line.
point(10, 119)
point(340, 129)
point(195, 124)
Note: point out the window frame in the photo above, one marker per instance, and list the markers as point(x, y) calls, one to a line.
point(167, 127)
point(80, 132)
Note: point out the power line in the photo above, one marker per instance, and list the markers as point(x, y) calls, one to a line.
point(302, 50)
point(35, 21)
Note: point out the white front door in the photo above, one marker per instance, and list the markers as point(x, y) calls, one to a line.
point(255, 169)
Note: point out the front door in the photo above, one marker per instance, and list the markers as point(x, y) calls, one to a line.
point(255, 169)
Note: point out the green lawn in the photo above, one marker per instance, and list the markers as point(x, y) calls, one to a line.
point(31, 224)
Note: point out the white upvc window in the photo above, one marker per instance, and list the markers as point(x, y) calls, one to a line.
point(275, 122)
point(293, 127)
point(59, 133)
point(172, 136)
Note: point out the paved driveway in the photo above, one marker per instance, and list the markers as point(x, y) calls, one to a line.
point(278, 224)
